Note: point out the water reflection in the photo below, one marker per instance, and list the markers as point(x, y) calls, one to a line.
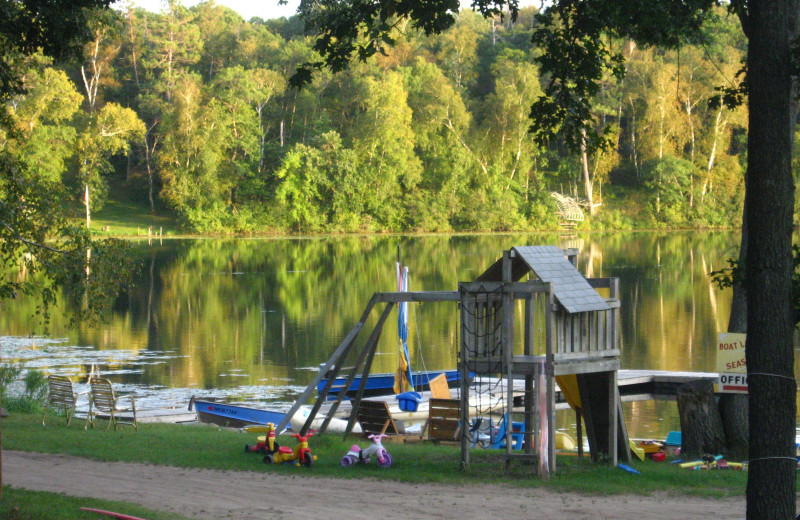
point(252, 319)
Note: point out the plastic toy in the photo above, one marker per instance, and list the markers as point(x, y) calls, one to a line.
point(356, 454)
point(264, 444)
point(300, 455)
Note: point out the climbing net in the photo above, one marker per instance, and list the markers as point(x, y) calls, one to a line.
point(482, 350)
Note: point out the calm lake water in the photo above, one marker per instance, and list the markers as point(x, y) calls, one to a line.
point(250, 320)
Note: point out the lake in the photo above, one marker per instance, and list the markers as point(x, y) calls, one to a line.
point(251, 320)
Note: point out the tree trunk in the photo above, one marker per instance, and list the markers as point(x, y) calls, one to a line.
point(86, 200)
point(772, 28)
point(587, 179)
point(701, 425)
point(733, 412)
point(733, 408)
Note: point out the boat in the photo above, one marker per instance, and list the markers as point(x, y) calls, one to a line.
point(232, 415)
point(336, 425)
point(237, 416)
point(383, 384)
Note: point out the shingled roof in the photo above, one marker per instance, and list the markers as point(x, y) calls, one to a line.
point(550, 264)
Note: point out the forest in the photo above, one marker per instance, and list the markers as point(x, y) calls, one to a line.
point(189, 111)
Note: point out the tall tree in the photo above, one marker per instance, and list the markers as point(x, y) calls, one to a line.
point(41, 137)
point(106, 133)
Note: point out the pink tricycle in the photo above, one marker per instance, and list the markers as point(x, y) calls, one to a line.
point(356, 454)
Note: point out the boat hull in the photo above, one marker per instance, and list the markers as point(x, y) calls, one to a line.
point(232, 416)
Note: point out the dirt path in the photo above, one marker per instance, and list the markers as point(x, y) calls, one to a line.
point(217, 495)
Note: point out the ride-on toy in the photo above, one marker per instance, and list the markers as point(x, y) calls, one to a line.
point(301, 454)
point(264, 444)
point(356, 454)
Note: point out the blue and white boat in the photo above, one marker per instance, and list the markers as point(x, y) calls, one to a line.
point(383, 384)
point(231, 415)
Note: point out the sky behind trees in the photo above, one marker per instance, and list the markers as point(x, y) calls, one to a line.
point(266, 9)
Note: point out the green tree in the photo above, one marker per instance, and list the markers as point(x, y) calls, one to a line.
point(35, 235)
point(381, 135)
point(41, 137)
point(106, 133)
point(301, 189)
point(441, 123)
point(195, 134)
point(669, 182)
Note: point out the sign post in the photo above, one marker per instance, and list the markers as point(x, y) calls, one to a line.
point(731, 363)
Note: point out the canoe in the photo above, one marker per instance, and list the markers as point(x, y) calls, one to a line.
point(231, 415)
point(383, 384)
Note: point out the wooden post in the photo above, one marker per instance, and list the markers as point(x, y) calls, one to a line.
point(508, 351)
point(549, 374)
point(467, 345)
point(613, 402)
point(373, 338)
point(356, 401)
point(529, 398)
point(348, 341)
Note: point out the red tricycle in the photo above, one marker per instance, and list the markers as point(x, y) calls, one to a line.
point(263, 444)
point(300, 455)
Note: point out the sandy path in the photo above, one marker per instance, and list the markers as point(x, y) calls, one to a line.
point(217, 495)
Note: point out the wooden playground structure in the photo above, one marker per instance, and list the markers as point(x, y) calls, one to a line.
point(569, 333)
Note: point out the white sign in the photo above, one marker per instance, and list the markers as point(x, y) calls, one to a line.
point(731, 362)
point(732, 383)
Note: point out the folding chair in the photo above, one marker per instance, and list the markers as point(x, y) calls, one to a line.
point(106, 405)
point(443, 420)
point(375, 417)
point(61, 395)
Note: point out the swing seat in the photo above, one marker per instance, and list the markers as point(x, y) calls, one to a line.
point(409, 401)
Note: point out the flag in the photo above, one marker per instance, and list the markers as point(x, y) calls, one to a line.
point(403, 377)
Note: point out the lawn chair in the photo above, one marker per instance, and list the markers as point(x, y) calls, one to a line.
point(481, 432)
point(62, 396)
point(439, 387)
point(106, 405)
point(444, 420)
point(515, 434)
point(375, 417)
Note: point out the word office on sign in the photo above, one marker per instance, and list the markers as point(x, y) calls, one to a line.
point(731, 363)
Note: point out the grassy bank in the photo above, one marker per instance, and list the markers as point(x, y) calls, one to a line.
point(126, 218)
point(200, 446)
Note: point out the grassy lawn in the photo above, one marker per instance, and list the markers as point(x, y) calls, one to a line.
point(17, 504)
point(202, 446)
point(125, 215)
point(126, 218)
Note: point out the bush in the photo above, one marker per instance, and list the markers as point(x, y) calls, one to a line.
point(32, 396)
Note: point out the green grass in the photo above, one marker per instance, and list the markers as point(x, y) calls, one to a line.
point(18, 504)
point(129, 218)
point(201, 446)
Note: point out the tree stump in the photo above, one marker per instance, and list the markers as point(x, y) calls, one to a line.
point(701, 424)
